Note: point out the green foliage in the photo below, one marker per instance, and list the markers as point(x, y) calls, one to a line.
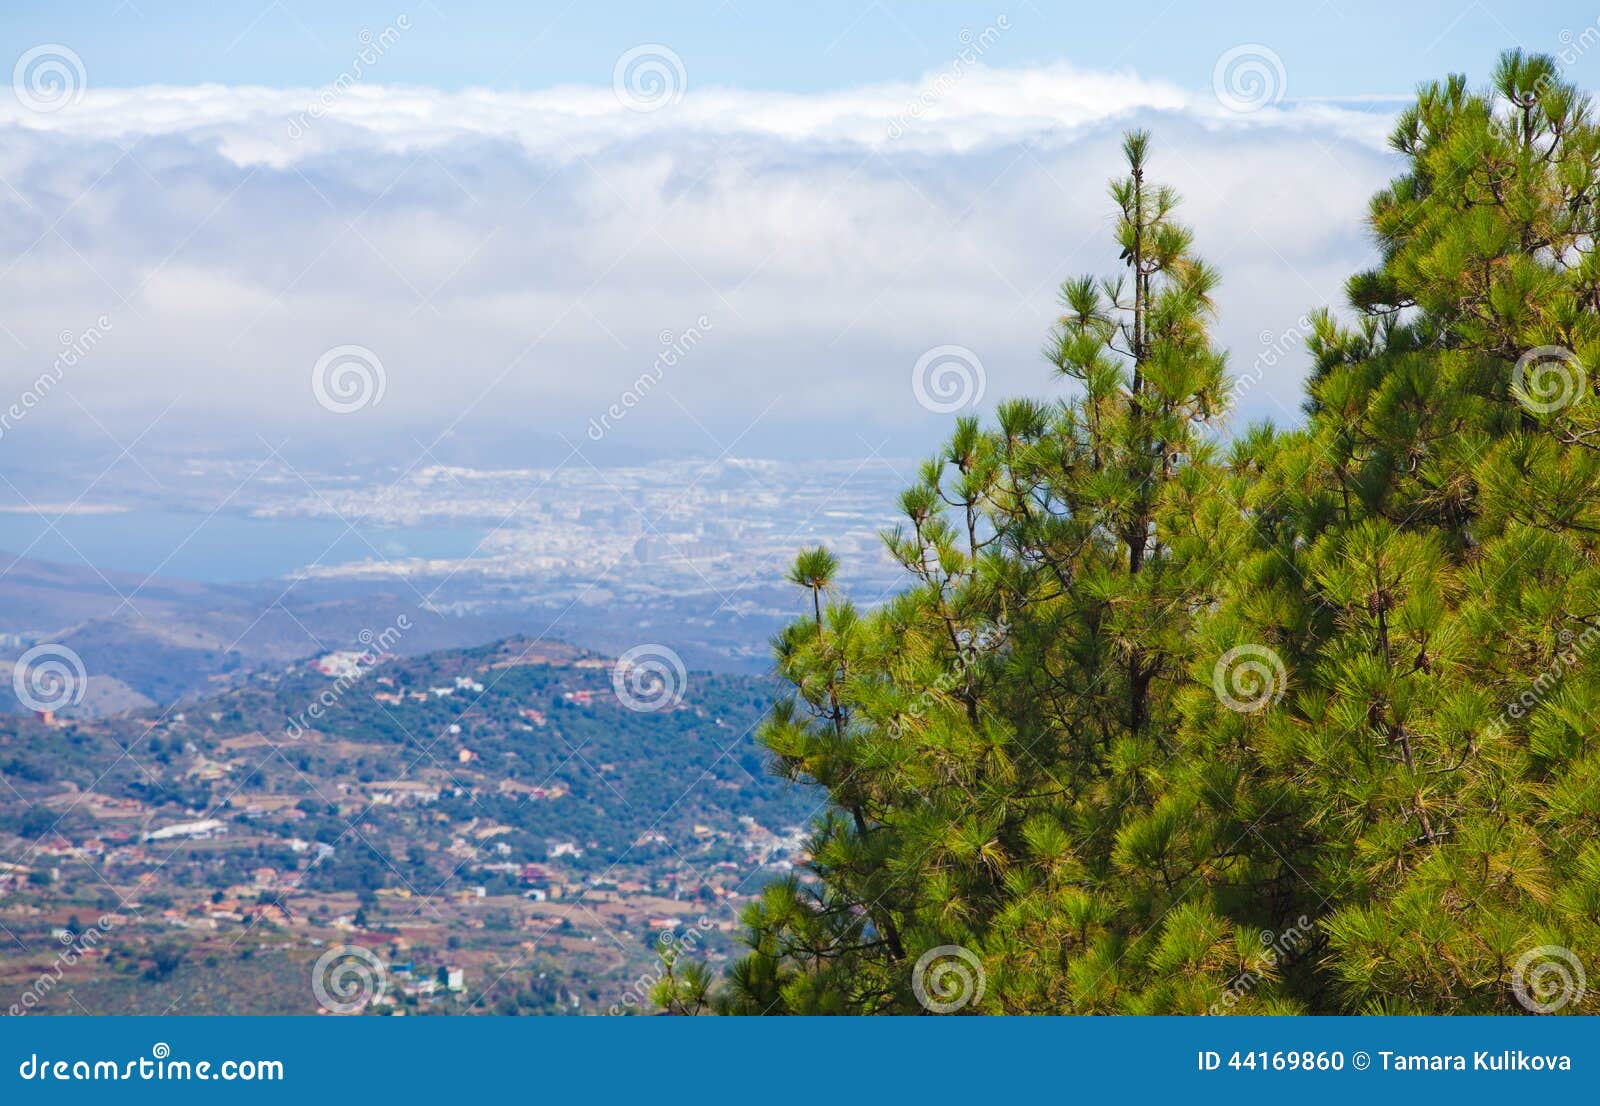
point(1302, 724)
point(999, 739)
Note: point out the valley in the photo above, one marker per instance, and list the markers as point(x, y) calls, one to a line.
point(497, 812)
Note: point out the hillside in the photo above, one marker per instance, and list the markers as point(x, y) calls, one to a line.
point(460, 799)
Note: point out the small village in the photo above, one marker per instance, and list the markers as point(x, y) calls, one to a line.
point(491, 843)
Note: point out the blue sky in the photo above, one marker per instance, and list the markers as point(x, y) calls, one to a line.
point(513, 235)
point(1333, 48)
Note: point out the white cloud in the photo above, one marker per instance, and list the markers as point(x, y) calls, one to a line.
point(954, 111)
point(515, 257)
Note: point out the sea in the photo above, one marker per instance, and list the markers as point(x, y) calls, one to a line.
point(221, 548)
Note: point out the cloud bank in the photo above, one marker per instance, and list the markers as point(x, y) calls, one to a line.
point(521, 263)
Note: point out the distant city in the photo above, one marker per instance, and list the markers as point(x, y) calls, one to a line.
point(175, 576)
point(674, 527)
point(721, 525)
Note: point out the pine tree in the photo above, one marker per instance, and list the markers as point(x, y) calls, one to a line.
point(1305, 724)
point(1425, 566)
point(1459, 561)
point(998, 740)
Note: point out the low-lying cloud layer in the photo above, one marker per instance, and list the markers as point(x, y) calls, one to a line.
point(528, 262)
